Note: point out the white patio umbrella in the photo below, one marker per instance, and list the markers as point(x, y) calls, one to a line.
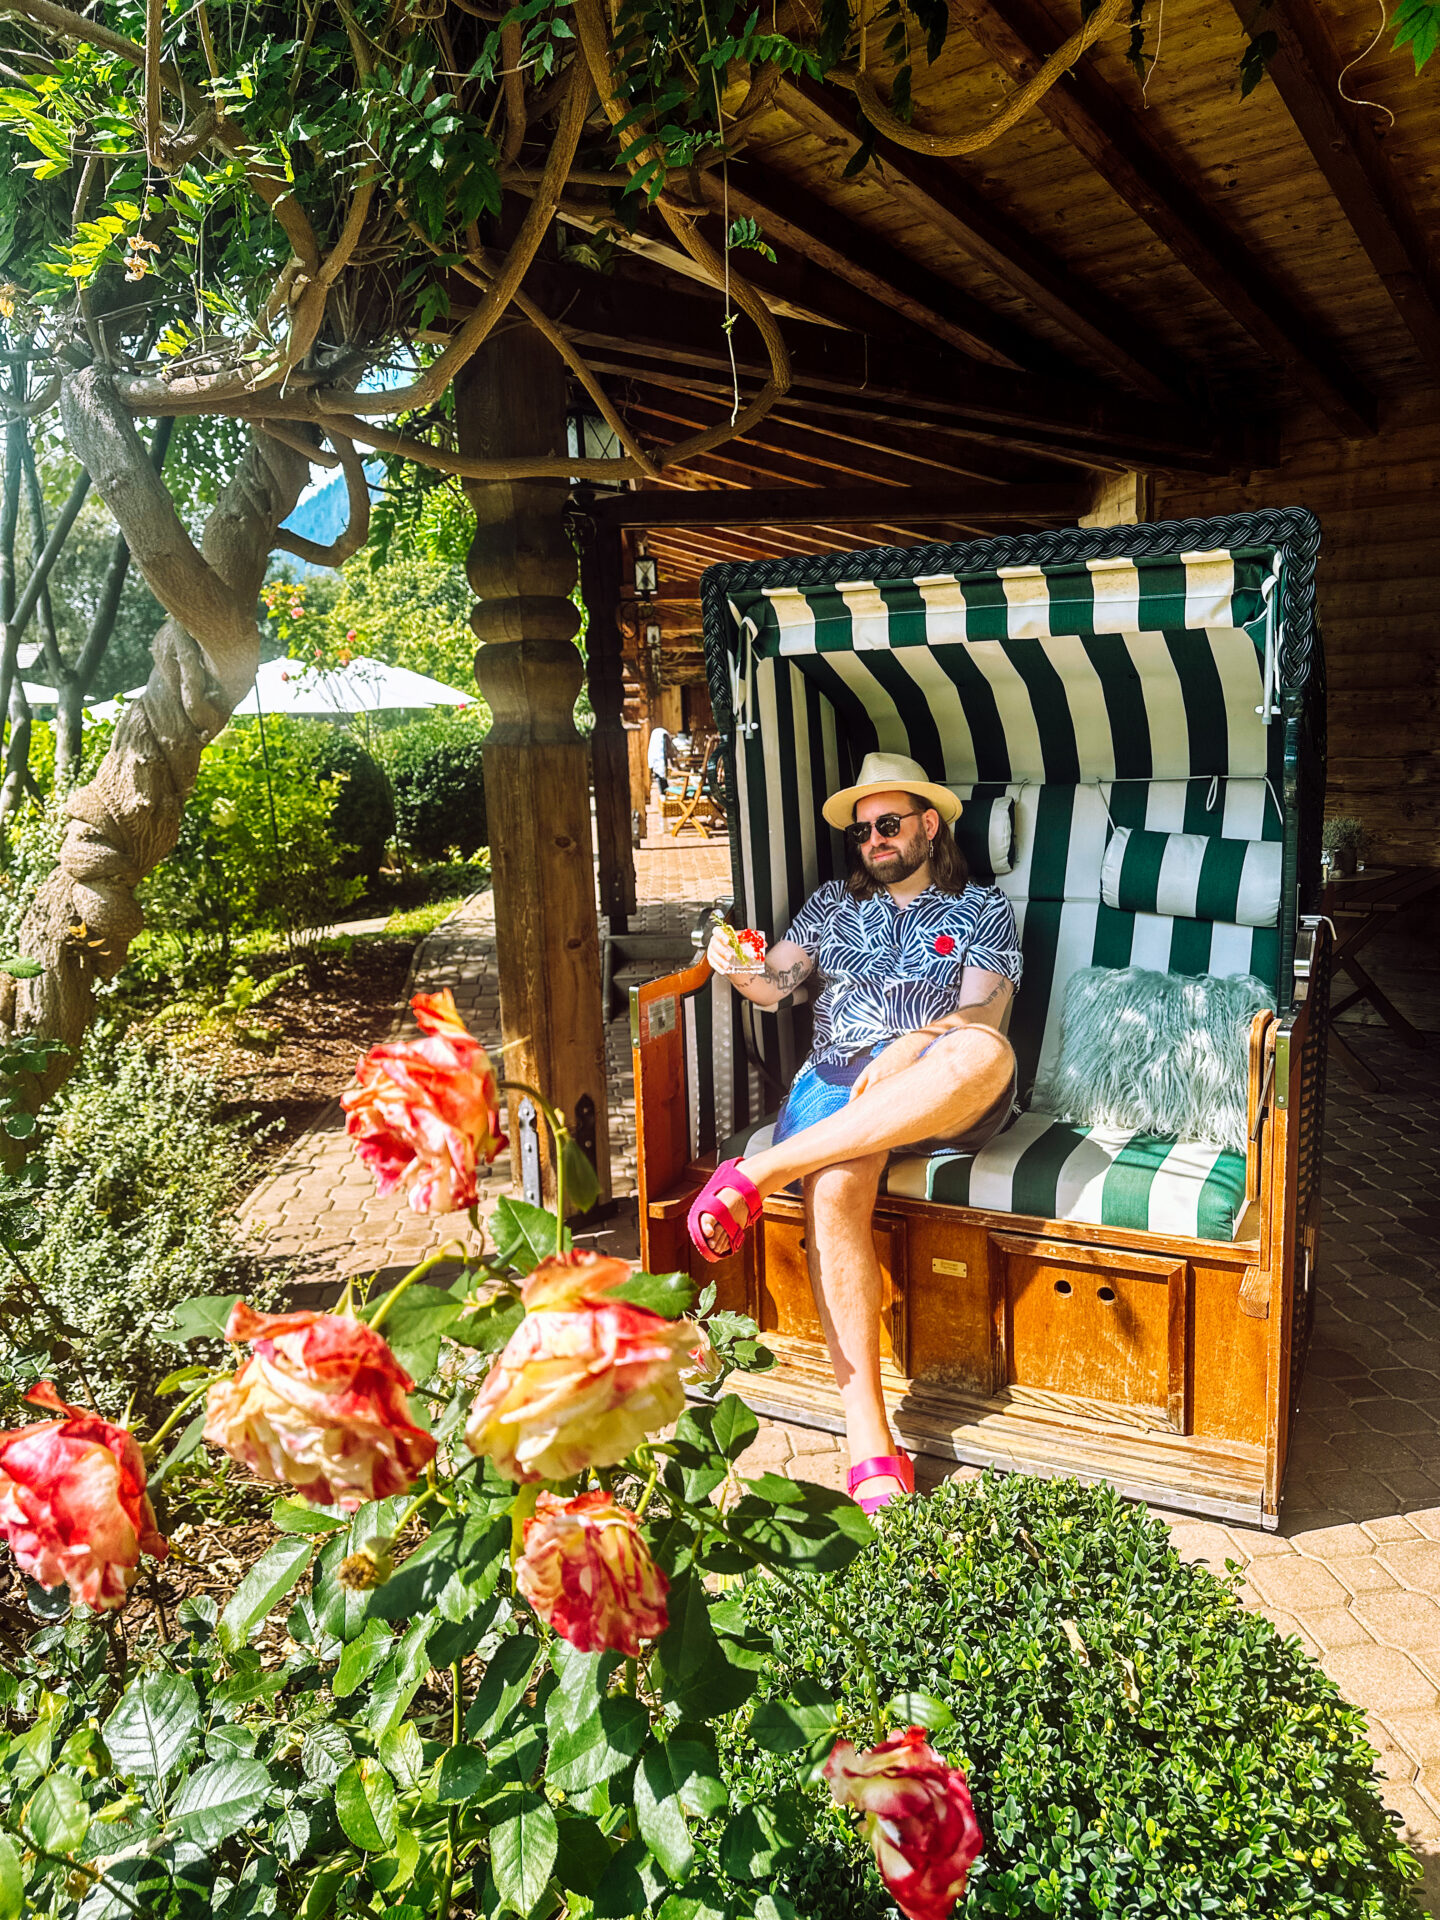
point(364, 686)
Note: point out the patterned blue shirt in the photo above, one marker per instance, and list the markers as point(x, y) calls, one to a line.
point(886, 970)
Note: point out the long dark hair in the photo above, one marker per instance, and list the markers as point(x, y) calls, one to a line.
point(948, 870)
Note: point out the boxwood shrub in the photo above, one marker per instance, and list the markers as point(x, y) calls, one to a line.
point(362, 819)
point(1136, 1742)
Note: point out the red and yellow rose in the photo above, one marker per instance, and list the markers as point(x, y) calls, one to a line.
point(73, 1504)
point(916, 1814)
point(583, 1378)
point(587, 1571)
point(424, 1113)
point(319, 1406)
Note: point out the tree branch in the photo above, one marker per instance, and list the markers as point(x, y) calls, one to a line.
point(49, 553)
point(357, 529)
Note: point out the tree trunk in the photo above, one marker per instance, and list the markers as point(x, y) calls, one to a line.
point(127, 819)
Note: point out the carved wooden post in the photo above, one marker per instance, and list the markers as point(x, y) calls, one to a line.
point(600, 578)
point(537, 788)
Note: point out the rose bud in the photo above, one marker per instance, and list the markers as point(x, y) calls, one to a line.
point(73, 1504)
point(423, 1113)
point(319, 1406)
point(587, 1572)
point(916, 1815)
point(583, 1378)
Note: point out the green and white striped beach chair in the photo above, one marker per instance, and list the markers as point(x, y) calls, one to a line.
point(1134, 719)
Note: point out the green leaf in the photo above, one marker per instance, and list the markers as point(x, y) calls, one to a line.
point(152, 1725)
point(268, 1581)
point(220, 1799)
point(796, 1524)
point(694, 1764)
point(188, 1444)
point(19, 969)
point(57, 1816)
point(326, 1754)
point(202, 1317)
point(293, 1516)
point(403, 1754)
point(582, 1183)
point(701, 1900)
point(660, 1816)
point(365, 1806)
point(759, 1838)
point(632, 1883)
point(582, 1856)
point(788, 1726)
point(524, 1235)
point(524, 1842)
point(598, 1748)
point(12, 1882)
point(670, 1294)
point(1417, 25)
point(489, 1326)
point(361, 1658)
point(463, 1773)
point(506, 1679)
point(415, 1324)
point(912, 1709)
point(697, 1672)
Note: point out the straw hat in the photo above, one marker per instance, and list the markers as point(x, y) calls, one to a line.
point(890, 773)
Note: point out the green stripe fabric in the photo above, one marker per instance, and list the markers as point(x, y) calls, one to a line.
point(1194, 875)
point(1103, 1177)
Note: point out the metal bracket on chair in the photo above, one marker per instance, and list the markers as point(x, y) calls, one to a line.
point(583, 1128)
point(1307, 937)
point(531, 1184)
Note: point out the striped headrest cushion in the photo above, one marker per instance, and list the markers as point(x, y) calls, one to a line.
point(1192, 876)
point(985, 833)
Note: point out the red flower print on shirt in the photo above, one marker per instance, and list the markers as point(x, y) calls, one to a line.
point(944, 943)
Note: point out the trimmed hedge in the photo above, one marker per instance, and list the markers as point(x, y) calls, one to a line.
point(1137, 1743)
point(436, 768)
point(363, 816)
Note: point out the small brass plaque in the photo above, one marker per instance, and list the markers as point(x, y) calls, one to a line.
point(956, 1267)
point(660, 1017)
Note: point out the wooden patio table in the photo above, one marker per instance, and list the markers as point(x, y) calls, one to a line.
point(1360, 905)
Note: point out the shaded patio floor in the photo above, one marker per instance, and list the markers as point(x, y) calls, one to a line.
point(1355, 1567)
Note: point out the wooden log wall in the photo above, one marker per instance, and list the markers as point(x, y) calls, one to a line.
point(1378, 503)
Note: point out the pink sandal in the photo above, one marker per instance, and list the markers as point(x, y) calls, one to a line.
point(727, 1174)
point(899, 1466)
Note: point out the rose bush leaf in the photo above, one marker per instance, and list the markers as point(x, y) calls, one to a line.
point(293, 1516)
point(415, 1324)
point(701, 1900)
point(760, 1837)
point(660, 1815)
point(361, 1658)
point(524, 1843)
point(523, 1234)
point(489, 1326)
point(153, 1723)
point(463, 1773)
point(12, 1881)
point(696, 1672)
point(599, 1747)
point(633, 1882)
point(506, 1679)
point(789, 1726)
point(202, 1317)
point(218, 1799)
point(57, 1817)
point(694, 1764)
point(582, 1183)
point(365, 1806)
point(670, 1294)
point(582, 1680)
point(326, 1754)
point(582, 1855)
point(796, 1524)
point(273, 1575)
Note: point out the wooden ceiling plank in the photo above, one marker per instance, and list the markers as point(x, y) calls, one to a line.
point(941, 197)
point(792, 218)
point(829, 506)
point(1019, 34)
point(1346, 148)
point(651, 324)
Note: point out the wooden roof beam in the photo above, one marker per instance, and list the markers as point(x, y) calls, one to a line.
point(1346, 147)
point(796, 220)
point(943, 199)
point(830, 506)
point(1018, 34)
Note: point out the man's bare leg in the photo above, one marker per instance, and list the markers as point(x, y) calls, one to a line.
point(845, 1279)
point(958, 1080)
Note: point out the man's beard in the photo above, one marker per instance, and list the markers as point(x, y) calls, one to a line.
point(900, 862)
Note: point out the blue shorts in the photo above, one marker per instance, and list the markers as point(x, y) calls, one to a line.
point(817, 1091)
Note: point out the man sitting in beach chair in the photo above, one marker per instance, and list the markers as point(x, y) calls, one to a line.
point(918, 968)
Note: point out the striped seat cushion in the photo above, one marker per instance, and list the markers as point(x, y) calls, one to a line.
point(1103, 1176)
point(1194, 875)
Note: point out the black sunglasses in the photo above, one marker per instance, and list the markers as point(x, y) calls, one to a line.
point(887, 826)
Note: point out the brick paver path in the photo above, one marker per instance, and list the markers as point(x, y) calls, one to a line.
point(1355, 1567)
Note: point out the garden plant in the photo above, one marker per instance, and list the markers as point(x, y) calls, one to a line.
point(505, 1657)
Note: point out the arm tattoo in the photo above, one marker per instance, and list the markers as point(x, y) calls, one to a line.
point(788, 978)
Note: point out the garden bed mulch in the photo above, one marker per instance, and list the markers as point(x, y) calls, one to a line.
point(321, 1023)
